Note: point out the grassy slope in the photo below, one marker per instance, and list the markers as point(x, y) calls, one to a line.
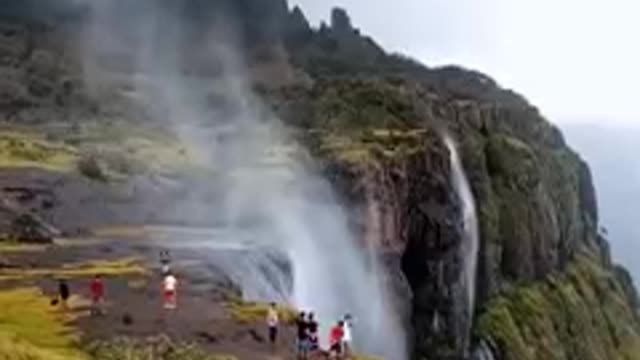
point(31, 330)
point(582, 313)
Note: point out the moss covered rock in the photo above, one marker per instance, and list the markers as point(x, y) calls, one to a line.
point(581, 313)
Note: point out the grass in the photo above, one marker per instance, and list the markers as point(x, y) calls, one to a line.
point(31, 330)
point(371, 145)
point(161, 348)
point(253, 312)
point(581, 313)
point(30, 149)
point(127, 266)
point(15, 247)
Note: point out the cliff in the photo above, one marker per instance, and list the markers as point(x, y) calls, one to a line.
point(546, 285)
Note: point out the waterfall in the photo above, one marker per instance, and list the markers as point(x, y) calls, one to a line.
point(269, 192)
point(483, 352)
point(470, 244)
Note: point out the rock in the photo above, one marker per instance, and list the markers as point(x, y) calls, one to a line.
point(127, 319)
point(26, 228)
point(256, 336)
point(207, 337)
point(341, 22)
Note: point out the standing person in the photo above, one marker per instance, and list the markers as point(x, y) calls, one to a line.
point(272, 323)
point(165, 261)
point(335, 340)
point(302, 344)
point(170, 289)
point(347, 337)
point(64, 293)
point(312, 333)
point(96, 287)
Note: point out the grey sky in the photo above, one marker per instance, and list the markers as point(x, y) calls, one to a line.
point(578, 60)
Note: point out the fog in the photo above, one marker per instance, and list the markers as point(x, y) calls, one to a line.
point(189, 72)
point(612, 154)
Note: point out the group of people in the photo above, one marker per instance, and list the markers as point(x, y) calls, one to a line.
point(307, 337)
point(97, 289)
point(307, 327)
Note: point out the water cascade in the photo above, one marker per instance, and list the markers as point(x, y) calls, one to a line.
point(270, 195)
point(470, 244)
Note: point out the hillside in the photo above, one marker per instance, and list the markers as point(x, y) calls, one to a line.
point(210, 113)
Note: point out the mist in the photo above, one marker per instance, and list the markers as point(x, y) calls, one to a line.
point(188, 73)
point(612, 154)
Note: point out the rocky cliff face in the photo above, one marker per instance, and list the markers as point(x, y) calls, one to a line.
point(547, 288)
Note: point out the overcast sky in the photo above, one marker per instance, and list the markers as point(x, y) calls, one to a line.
point(576, 59)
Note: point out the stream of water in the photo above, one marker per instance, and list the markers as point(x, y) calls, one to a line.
point(470, 245)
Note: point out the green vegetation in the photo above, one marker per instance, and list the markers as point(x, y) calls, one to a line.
point(582, 313)
point(128, 266)
point(252, 312)
point(370, 146)
point(31, 330)
point(99, 152)
point(29, 149)
point(12, 246)
point(157, 349)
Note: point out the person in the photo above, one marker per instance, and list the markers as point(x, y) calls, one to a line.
point(96, 287)
point(64, 293)
point(312, 333)
point(165, 261)
point(347, 336)
point(272, 323)
point(335, 340)
point(302, 346)
point(170, 288)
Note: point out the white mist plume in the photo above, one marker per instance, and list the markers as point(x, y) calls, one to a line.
point(273, 202)
point(470, 245)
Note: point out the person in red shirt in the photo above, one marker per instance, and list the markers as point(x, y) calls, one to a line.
point(335, 340)
point(97, 294)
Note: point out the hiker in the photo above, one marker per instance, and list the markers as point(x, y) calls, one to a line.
point(335, 340)
point(96, 288)
point(169, 289)
point(165, 261)
point(312, 333)
point(272, 323)
point(302, 344)
point(63, 293)
point(347, 335)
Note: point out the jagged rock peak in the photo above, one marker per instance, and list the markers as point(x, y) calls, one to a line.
point(298, 21)
point(340, 21)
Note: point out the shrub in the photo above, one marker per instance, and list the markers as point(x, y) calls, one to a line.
point(90, 167)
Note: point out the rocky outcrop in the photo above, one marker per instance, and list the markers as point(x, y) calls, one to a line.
point(536, 206)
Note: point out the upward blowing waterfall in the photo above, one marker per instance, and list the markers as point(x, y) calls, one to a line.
point(470, 245)
point(190, 74)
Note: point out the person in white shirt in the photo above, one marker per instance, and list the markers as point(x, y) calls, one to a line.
point(272, 323)
point(170, 288)
point(347, 337)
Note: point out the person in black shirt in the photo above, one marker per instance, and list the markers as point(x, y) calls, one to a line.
point(63, 292)
point(312, 333)
point(303, 345)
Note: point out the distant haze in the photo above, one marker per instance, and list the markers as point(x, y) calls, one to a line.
point(613, 156)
